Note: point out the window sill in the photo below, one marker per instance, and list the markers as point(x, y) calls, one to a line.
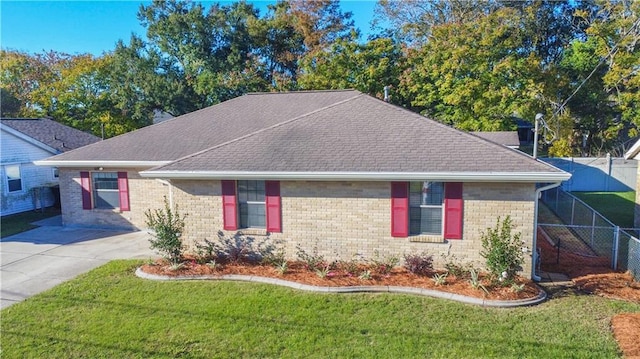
point(253, 231)
point(424, 238)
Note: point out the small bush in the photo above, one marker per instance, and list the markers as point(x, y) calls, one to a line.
point(365, 275)
point(237, 248)
point(350, 268)
point(383, 265)
point(440, 279)
point(502, 251)
point(420, 264)
point(313, 261)
point(166, 226)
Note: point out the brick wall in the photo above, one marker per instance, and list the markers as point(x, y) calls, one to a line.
point(342, 219)
point(143, 194)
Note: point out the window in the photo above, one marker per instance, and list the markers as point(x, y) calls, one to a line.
point(105, 190)
point(431, 208)
point(14, 179)
point(252, 204)
point(425, 207)
point(257, 203)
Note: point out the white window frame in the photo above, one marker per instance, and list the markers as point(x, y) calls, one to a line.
point(95, 190)
point(441, 206)
point(6, 178)
point(263, 203)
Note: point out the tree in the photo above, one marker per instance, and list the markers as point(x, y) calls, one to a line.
point(476, 75)
point(412, 22)
point(368, 67)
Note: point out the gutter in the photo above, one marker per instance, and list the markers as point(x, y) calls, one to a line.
point(522, 177)
point(117, 164)
point(534, 244)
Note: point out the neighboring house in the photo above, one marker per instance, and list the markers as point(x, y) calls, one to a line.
point(26, 186)
point(338, 171)
point(634, 154)
point(505, 138)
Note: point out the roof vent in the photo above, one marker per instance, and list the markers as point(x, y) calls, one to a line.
point(386, 94)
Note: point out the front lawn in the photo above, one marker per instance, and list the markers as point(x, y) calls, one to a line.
point(617, 207)
point(110, 313)
point(20, 222)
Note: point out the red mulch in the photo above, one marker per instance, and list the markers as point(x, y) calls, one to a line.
point(297, 272)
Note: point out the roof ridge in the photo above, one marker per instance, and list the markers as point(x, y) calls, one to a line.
point(359, 94)
point(300, 92)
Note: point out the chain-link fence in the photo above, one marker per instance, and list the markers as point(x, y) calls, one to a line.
point(585, 232)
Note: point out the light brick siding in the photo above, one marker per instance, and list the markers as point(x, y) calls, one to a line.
point(143, 194)
point(340, 219)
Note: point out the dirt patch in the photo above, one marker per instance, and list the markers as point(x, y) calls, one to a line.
point(625, 330)
point(297, 272)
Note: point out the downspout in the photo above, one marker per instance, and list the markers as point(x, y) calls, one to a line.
point(167, 182)
point(534, 245)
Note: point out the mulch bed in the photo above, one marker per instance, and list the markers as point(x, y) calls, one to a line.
point(297, 272)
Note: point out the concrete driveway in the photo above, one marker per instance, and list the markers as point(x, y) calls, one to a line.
point(34, 261)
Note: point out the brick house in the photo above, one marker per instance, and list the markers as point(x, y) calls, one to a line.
point(634, 154)
point(340, 171)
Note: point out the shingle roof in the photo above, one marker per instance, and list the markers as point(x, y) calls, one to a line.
point(51, 133)
point(322, 131)
point(211, 126)
point(505, 138)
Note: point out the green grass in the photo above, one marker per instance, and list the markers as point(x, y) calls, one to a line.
point(20, 222)
point(110, 313)
point(617, 207)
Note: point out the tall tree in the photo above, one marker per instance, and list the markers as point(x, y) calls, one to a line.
point(475, 75)
point(368, 67)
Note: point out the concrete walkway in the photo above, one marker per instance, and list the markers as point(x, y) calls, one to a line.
point(34, 261)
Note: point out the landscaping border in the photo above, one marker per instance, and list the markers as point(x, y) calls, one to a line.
point(542, 296)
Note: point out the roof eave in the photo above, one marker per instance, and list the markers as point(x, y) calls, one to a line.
point(528, 177)
point(29, 139)
point(633, 151)
point(85, 163)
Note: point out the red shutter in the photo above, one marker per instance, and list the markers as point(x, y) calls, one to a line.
point(274, 217)
point(399, 209)
point(453, 205)
point(229, 211)
point(123, 189)
point(85, 183)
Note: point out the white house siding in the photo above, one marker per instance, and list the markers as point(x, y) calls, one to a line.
point(16, 151)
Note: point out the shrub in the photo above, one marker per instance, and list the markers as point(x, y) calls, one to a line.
point(383, 265)
point(350, 267)
point(166, 225)
point(420, 264)
point(237, 248)
point(440, 279)
point(502, 251)
point(313, 261)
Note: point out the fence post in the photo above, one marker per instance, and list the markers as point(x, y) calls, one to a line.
point(593, 227)
point(573, 209)
point(616, 243)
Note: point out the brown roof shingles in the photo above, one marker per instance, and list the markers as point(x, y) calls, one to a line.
point(362, 134)
point(51, 133)
point(202, 129)
point(321, 131)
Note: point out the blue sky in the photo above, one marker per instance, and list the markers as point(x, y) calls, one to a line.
point(95, 26)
